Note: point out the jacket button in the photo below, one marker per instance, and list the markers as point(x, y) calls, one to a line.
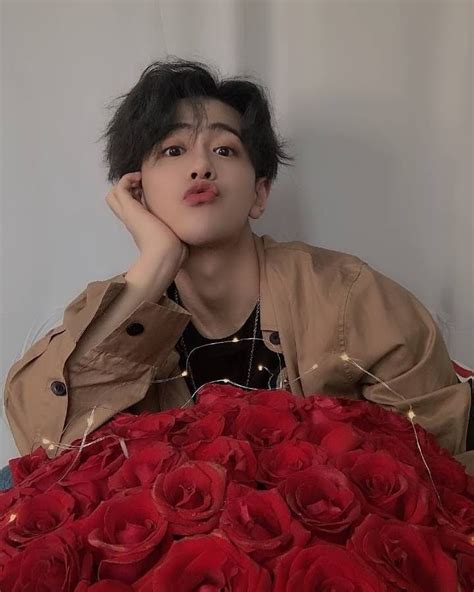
point(275, 338)
point(135, 329)
point(58, 388)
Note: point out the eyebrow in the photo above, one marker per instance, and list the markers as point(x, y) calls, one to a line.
point(218, 125)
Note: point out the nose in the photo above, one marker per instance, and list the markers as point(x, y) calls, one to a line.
point(203, 167)
point(206, 175)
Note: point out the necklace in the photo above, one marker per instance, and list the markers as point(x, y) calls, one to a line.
point(188, 365)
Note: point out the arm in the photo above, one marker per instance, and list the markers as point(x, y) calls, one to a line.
point(391, 334)
point(113, 369)
point(146, 281)
point(115, 339)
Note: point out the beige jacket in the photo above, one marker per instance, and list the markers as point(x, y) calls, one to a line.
point(316, 304)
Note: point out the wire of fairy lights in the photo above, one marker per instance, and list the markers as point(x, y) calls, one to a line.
point(344, 357)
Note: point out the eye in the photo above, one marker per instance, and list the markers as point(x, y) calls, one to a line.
point(219, 148)
point(227, 148)
point(170, 148)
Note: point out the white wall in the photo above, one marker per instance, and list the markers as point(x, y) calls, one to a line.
point(375, 97)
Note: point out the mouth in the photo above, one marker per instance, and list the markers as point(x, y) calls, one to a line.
point(205, 197)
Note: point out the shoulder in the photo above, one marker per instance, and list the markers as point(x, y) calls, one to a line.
point(300, 257)
point(336, 270)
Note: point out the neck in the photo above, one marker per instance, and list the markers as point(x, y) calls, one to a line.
point(220, 285)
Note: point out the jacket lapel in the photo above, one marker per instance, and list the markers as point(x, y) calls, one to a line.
point(276, 310)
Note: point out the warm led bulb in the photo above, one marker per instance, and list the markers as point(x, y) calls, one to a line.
point(184, 373)
point(260, 367)
point(226, 380)
point(411, 414)
point(235, 339)
point(345, 357)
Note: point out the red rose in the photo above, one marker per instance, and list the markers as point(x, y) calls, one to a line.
point(207, 562)
point(407, 555)
point(48, 473)
point(216, 495)
point(390, 488)
point(124, 534)
point(455, 542)
point(455, 510)
point(279, 462)
point(183, 419)
point(38, 516)
point(191, 496)
point(260, 523)
point(56, 562)
point(8, 501)
point(386, 420)
point(143, 466)
point(336, 437)
point(121, 420)
point(428, 442)
point(236, 456)
point(469, 491)
point(406, 452)
point(334, 408)
point(210, 401)
point(131, 427)
point(263, 427)
point(105, 586)
point(395, 424)
point(275, 399)
point(7, 552)
point(447, 470)
point(211, 394)
point(465, 565)
point(87, 483)
point(323, 500)
point(205, 429)
point(324, 567)
point(23, 466)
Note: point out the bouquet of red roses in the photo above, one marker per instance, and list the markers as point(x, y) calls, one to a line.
point(246, 492)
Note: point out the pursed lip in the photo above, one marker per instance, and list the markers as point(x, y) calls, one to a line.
point(201, 187)
point(198, 198)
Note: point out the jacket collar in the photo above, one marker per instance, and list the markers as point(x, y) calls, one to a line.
point(267, 310)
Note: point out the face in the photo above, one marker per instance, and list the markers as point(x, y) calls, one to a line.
point(214, 155)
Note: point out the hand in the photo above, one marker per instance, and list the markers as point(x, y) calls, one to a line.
point(151, 235)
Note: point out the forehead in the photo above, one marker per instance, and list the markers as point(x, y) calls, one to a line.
point(213, 110)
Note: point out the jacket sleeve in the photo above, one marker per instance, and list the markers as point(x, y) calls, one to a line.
point(387, 331)
point(47, 400)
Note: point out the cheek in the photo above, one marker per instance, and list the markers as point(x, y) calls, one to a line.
point(160, 193)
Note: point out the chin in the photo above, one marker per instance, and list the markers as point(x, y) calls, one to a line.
point(206, 236)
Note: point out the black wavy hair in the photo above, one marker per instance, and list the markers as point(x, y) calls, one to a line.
point(145, 114)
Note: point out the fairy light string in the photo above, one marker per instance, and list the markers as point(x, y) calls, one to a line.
point(411, 416)
point(344, 357)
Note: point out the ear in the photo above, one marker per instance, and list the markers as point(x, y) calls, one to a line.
point(262, 192)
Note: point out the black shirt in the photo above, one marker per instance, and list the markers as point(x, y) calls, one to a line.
point(231, 360)
point(228, 360)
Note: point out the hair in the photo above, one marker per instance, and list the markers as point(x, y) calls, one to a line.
point(145, 114)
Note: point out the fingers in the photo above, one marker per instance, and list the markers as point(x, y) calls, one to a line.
point(128, 185)
point(131, 182)
point(129, 179)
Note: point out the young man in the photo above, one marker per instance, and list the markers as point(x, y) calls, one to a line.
point(204, 277)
